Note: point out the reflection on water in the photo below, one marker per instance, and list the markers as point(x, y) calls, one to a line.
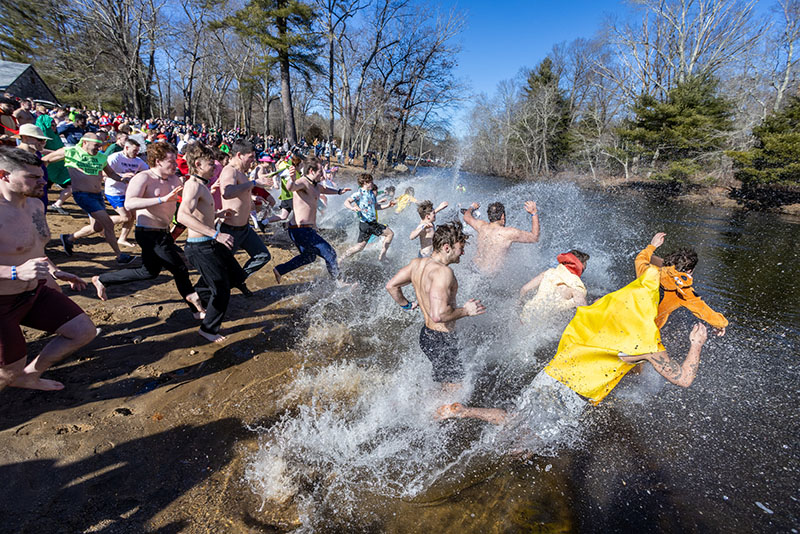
point(358, 450)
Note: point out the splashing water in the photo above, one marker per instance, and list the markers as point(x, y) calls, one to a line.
point(358, 427)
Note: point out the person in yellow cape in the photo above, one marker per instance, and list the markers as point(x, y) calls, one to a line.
point(600, 345)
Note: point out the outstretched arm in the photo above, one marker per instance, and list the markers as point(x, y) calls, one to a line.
point(521, 236)
point(470, 219)
point(679, 374)
point(440, 207)
point(645, 258)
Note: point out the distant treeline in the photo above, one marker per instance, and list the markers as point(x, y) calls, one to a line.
point(375, 74)
point(676, 90)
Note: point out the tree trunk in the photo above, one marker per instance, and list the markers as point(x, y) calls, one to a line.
point(286, 85)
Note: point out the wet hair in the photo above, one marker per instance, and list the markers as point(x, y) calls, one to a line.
point(449, 234)
point(389, 190)
point(196, 152)
point(683, 259)
point(424, 208)
point(159, 151)
point(12, 159)
point(241, 146)
point(495, 211)
point(582, 256)
point(364, 179)
point(409, 191)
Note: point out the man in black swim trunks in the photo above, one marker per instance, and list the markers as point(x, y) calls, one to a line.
point(436, 287)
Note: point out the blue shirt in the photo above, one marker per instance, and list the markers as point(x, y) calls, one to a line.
point(367, 204)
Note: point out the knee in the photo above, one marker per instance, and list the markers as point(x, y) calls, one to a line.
point(125, 217)
point(86, 330)
point(389, 235)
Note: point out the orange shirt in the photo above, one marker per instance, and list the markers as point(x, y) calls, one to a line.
point(678, 292)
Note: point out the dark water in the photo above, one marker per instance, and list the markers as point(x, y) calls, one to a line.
point(359, 451)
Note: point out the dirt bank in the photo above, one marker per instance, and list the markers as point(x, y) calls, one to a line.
point(151, 431)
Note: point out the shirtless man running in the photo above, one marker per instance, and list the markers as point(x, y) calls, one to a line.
point(85, 163)
point(303, 221)
point(208, 249)
point(495, 238)
point(26, 279)
point(436, 286)
point(154, 193)
point(236, 189)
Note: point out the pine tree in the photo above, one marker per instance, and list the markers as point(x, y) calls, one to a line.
point(285, 27)
point(546, 118)
point(775, 158)
point(677, 133)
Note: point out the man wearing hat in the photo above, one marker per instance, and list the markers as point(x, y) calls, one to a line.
point(32, 140)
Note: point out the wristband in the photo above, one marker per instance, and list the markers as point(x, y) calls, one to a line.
point(160, 200)
point(216, 235)
point(13, 272)
point(253, 183)
point(407, 306)
point(339, 191)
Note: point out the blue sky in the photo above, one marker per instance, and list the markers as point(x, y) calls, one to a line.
point(501, 37)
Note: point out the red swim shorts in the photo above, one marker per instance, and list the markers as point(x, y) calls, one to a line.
point(43, 308)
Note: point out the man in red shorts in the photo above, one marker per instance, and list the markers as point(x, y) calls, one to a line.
point(28, 293)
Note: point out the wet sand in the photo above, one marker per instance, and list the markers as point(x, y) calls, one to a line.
point(151, 431)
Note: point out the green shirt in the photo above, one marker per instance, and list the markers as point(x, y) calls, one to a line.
point(78, 158)
point(285, 193)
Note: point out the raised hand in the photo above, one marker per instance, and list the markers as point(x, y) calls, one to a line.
point(658, 239)
point(530, 207)
point(699, 334)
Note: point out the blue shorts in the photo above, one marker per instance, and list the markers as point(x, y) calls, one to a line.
point(89, 202)
point(116, 201)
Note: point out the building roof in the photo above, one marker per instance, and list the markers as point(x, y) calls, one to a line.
point(9, 72)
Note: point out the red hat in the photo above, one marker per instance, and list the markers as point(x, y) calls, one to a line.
point(572, 263)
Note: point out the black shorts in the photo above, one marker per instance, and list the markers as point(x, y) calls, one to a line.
point(441, 348)
point(286, 204)
point(369, 229)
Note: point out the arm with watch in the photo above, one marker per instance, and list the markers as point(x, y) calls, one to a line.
point(395, 288)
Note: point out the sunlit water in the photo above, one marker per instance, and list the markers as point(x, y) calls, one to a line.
point(358, 449)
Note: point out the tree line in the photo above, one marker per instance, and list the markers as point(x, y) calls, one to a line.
point(375, 74)
point(674, 90)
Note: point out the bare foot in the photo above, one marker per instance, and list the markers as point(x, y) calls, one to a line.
point(449, 411)
point(194, 300)
point(101, 289)
point(126, 243)
point(215, 338)
point(277, 275)
point(33, 381)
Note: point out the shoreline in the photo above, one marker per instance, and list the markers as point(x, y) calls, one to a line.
point(155, 426)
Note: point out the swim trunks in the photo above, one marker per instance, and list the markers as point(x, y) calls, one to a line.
point(287, 204)
point(43, 308)
point(368, 229)
point(116, 201)
point(89, 202)
point(441, 348)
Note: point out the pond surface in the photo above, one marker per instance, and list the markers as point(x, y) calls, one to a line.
point(358, 450)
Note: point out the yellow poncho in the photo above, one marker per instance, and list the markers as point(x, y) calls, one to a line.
point(588, 360)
